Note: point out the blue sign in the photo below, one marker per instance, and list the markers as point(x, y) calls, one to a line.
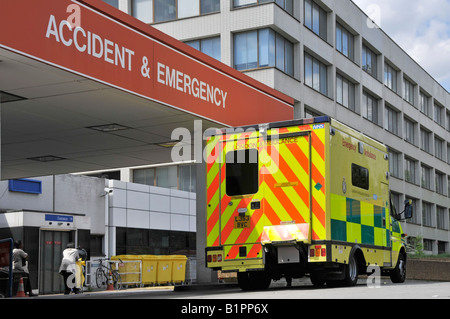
point(59, 218)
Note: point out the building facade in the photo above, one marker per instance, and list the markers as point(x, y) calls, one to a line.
point(332, 59)
point(104, 216)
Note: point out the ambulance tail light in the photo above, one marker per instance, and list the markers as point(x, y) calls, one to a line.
point(318, 251)
point(214, 258)
point(318, 248)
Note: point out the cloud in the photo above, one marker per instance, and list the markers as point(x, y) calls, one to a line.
point(421, 28)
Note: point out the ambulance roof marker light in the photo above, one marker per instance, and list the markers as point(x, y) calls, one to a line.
point(321, 119)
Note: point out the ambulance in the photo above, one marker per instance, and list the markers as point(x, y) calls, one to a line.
point(302, 197)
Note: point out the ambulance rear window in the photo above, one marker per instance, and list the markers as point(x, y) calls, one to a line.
point(360, 176)
point(242, 172)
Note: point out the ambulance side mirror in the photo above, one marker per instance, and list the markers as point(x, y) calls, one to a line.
point(408, 209)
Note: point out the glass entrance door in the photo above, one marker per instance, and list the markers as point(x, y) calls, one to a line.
point(52, 245)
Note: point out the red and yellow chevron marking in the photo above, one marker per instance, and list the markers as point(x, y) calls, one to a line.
point(291, 190)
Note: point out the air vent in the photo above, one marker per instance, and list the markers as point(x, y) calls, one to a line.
point(108, 128)
point(46, 158)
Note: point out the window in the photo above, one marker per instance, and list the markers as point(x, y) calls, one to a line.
point(426, 177)
point(209, 6)
point(391, 120)
point(440, 217)
point(150, 11)
point(448, 153)
point(210, 46)
point(424, 103)
point(428, 244)
point(394, 163)
point(285, 4)
point(263, 48)
point(187, 8)
point(315, 74)
point(390, 77)
point(246, 50)
point(164, 10)
point(182, 177)
point(439, 182)
point(241, 3)
point(448, 186)
point(241, 170)
point(310, 113)
point(409, 131)
point(415, 218)
point(133, 241)
point(345, 42)
point(426, 215)
point(166, 176)
point(425, 140)
point(144, 176)
point(448, 120)
point(114, 3)
point(370, 107)
point(360, 176)
point(143, 10)
point(410, 170)
point(439, 114)
point(408, 92)
point(439, 148)
point(187, 178)
point(316, 19)
point(345, 92)
point(369, 61)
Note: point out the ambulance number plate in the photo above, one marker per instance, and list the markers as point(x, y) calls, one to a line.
point(242, 222)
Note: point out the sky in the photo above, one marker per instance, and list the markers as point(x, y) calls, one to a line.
point(419, 27)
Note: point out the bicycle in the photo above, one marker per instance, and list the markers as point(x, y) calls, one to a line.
point(104, 271)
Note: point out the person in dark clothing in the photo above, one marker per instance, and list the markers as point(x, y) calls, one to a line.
point(20, 268)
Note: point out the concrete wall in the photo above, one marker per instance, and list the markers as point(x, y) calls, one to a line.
point(428, 269)
point(71, 194)
point(142, 206)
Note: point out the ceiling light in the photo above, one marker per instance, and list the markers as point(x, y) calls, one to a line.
point(168, 144)
point(8, 97)
point(108, 128)
point(46, 158)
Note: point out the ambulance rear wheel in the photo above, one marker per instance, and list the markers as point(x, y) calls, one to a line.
point(254, 280)
point(351, 272)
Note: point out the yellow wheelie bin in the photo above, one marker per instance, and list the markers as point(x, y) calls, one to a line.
point(130, 269)
point(178, 268)
point(164, 273)
point(149, 269)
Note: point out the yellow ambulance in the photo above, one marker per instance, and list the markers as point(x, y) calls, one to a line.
point(302, 197)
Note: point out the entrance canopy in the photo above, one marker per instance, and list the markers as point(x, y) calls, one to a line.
point(84, 86)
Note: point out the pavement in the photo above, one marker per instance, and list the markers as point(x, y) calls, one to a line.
point(102, 293)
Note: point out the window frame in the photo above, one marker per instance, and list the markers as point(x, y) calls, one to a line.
point(280, 44)
point(316, 68)
point(199, 4)
point(316, 20)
